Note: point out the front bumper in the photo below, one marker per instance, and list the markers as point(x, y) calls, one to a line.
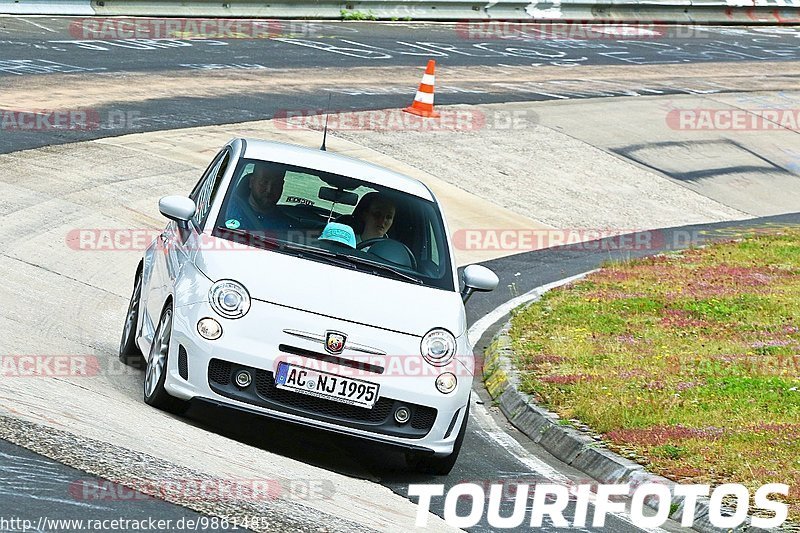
point(262, 392)
point(276, 416)
point(203, 370)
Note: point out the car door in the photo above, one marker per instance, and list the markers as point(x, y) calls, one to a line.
point(191, 240)
point(176, 245)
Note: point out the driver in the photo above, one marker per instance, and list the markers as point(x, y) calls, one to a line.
point(259, 210)
point(374, 216)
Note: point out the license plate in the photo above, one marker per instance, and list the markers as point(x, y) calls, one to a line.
point(328, 386)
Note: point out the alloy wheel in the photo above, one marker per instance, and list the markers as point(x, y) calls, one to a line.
point(158, 354)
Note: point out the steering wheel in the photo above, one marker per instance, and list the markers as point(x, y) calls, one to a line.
point(376, 240)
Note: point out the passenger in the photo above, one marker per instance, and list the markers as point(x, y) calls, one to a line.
point(373, 216)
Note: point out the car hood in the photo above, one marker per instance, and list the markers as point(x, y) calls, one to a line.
point(328, 290)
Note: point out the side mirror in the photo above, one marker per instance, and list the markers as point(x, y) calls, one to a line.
point(478, 278)
point(177, 208)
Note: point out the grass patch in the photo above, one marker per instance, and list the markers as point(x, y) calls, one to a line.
point(669, 451)
point(689, 361)
point(349, 14)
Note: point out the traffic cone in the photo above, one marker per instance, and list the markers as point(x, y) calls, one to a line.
point(423, 101)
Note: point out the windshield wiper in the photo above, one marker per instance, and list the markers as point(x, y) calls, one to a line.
point(345, 260)
point(298, 249)
point(381, 266)
point(361, 261)
point(331, 257)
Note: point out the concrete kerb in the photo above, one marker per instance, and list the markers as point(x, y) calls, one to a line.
point(578, 449)
point(47, 7)
point(152, 476)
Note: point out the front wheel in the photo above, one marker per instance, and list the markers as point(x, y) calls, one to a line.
point(441, 466)
point(129, 352)
point(156, 373)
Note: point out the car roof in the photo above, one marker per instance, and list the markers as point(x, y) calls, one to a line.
point(316, 159)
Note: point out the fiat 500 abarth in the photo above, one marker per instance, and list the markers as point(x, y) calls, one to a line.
point(312, 288)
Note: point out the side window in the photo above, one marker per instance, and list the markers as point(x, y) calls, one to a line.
point(204, 193)
point(206, 173)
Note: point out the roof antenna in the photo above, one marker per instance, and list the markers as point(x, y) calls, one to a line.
point(325, 131)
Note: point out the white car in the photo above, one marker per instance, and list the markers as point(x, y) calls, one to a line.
point(312, 288)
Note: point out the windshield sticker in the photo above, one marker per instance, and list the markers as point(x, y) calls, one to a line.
point(298, 200)
point(232, 224)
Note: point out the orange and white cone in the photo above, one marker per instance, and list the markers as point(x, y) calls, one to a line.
point(423, 101)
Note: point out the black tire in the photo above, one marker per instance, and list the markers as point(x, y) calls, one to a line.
point(129, 352)
point(154, 392)
point(441, 466)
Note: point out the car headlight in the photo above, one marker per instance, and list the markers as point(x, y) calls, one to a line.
point(229, 298)
point(438, 347)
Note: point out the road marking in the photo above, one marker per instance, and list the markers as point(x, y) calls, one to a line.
point(490, 428)
point(138, 44)
point(37, 25)
point(487, 424)
point(20, 67)
point(20, 484)
point(54, 500)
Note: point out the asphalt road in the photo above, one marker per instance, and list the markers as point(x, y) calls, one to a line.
point(33, 50)
point(37, 494)
point(81, 45)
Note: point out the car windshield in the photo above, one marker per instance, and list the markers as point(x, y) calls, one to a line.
point(337, 220)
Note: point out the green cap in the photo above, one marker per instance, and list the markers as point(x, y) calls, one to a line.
point(341, 233)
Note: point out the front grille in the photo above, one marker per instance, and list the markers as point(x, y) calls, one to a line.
point(183, 362)
point(219, 372)
point(264, 393)
point(341, 361)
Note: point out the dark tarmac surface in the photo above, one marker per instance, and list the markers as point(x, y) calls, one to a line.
point(33, 48)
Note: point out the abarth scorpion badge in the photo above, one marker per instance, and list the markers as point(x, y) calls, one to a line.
point(334, 342)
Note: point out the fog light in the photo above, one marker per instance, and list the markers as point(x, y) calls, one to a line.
point(243, 379)
point(446, 383)
point(402, 415)
point(210, 329)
